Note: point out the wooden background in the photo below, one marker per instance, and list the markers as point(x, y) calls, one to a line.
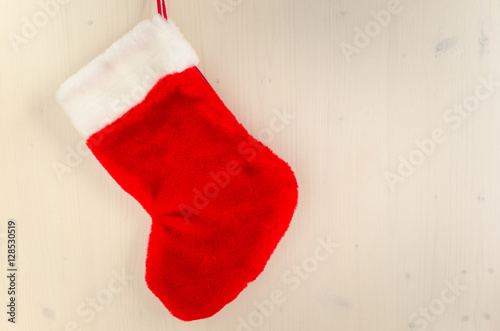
point(420, 251)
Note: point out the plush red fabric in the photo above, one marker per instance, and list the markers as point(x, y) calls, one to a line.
point(220, 201)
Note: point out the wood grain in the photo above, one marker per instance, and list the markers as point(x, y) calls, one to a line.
point(424, 256)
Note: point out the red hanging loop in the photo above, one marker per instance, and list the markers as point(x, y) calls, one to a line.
point(162, 9)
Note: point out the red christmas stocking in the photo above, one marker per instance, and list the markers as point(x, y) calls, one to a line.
point(220, 201)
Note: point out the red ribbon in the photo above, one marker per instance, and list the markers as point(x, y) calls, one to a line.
point(162, 9)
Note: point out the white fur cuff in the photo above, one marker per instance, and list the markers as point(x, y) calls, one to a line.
point(121, 77)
